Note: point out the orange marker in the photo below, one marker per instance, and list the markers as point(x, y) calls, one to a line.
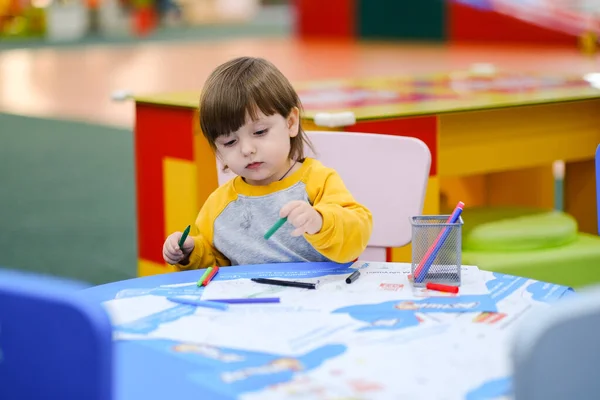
point(441, 288)
point(210, 275)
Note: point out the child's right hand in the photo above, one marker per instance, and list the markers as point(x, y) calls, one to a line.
point(171, 251)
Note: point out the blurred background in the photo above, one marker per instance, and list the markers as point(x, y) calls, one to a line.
point(67, 180)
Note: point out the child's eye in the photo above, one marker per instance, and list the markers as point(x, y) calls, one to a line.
point(229, 144)
point(261, 132)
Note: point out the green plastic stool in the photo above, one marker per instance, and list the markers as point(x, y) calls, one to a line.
point(532, 243)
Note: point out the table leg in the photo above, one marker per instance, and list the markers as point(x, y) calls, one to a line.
point(580, 194)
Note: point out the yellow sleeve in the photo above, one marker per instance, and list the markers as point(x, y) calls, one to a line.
point(347, 225)
point(205, 254)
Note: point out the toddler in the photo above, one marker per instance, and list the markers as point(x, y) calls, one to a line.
point(250, 115)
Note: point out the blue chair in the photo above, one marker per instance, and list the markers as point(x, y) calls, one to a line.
point(598, 186)
point(53, 343)
point(555, 351)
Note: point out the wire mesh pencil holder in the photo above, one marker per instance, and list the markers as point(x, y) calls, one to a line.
point(436, 250)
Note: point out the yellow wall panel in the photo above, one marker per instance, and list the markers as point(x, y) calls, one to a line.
point(206, 165)
point(517, 137)
point(147, 268)
point(179, 194)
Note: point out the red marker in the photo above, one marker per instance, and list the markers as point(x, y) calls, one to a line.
point(210, 276)
point(441, 288)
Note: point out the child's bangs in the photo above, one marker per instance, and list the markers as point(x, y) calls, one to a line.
point(227, 113)
point(264, 100)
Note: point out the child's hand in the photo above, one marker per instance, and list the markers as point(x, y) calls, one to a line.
point(303, 216)
point(171, 251)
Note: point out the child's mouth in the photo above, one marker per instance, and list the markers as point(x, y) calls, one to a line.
point(254, 165)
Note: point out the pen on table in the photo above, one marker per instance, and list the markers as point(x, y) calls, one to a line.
point(200, 303)
point(274, 228)
point(184, 236)
point(303, 285)
point(204, 275)
point(354, 276)
point(210, 276)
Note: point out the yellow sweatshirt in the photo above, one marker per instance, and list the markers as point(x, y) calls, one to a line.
point(230, 227)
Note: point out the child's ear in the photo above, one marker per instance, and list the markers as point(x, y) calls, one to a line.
point(293, 122)
point(223, 165)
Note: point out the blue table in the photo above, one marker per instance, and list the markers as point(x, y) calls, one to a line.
point(392, 341)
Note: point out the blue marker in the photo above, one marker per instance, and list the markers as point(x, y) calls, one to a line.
point(200, 303)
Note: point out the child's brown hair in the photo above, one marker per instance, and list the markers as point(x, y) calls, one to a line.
point(247, 85)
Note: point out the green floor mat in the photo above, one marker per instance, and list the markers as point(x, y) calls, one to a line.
point(67, 199)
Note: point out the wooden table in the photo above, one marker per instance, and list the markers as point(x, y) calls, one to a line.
point(493, 139)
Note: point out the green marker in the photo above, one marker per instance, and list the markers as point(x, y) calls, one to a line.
point(277, 225)
point(204, 276)
point(184, 236)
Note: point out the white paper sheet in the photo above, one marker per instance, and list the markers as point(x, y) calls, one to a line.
point(130, 309)
point(391, 340)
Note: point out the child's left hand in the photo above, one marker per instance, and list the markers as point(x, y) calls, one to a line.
point(303, 217)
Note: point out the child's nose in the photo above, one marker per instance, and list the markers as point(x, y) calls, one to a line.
point(248, 147)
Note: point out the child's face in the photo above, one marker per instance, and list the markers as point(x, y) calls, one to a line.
point(259, 150)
